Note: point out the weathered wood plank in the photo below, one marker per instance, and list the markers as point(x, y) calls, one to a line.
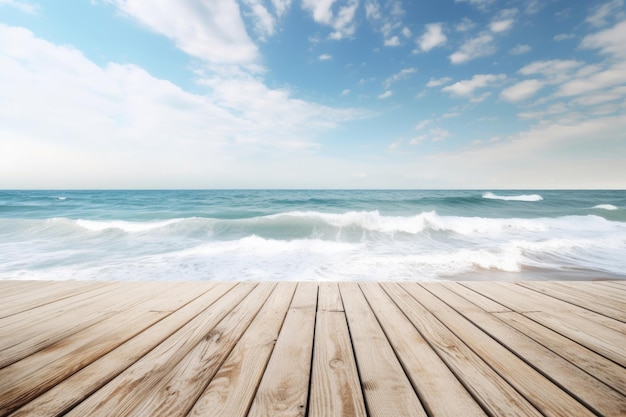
point(178, 390)
point(335, 385)
point(283, 390)
point(386, 388)
point(591, 362)
point(27, 332)
point(440, 391)
point(40, 295)
point(83, 383)
point(584, 387)
point(198, 348)
point(121, 394)
point(479, 300)
point(494, 394)
point(231, 391)
point(585, 327)
point(24, 380)
point(585, 298)
point(542, 393)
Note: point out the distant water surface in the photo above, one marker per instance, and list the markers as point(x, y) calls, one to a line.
point(312, 235)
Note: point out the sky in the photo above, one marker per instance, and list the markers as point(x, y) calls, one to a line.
point(415, 94)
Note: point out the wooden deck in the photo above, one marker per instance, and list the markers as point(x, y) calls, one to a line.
point(308, 349)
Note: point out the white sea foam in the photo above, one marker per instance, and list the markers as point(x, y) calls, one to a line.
point(605, 207)
point(125, 226)
point(523, 197)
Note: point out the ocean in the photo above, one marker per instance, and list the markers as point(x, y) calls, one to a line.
point(323, 235)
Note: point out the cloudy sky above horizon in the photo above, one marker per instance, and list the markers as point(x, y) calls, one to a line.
point(313, 94)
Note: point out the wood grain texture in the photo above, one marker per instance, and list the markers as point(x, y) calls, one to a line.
point(284, 388)
point(440, 391)
point(386, 388)
point(547, 397)
point(83, 383)
point(177, 391)
point(312, 349)
point(586, 389)
point(488, 388)
point(122, 394)
point(335, 384)
point(243, 369)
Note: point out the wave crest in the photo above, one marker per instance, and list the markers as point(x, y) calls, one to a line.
point(605, 207)
point(522, 197)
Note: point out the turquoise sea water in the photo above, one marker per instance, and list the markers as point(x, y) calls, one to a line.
point(312, 235)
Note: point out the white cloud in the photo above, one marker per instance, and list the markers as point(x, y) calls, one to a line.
point(582, 154)
point(613, 76)
point(480, 46)
point(402, 74)
point(555, 71)
point(417, 140)
point(372, 10)
point(438, 82)
point(465, 25)
point(503, 21)
point(20, 5)
point(264, 22)
point(386, 94)
point(466, 88)
point(609, 41)
point(521, 91)
point(433, 37)
point(520, 49)
point(117, 125)
point(602, 13)
point(387, 19)
point(438, 134)
point(393, 41)
point(563, 37)
point(281, 6)
point(423, 124)
point(342, 21)
point(325, 57)
point(498, 26)
point(479, 4)
point(210, 30)
point(345, 92)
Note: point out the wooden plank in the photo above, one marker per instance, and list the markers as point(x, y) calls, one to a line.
point(438, 388)
point(25, 333)
point(44, 294)
point(329, 298)
point(599, 397)
point(83, 383)
point(477, 299)
point(18, 288)
point(335, 385)
point(541, 392)
point(619, 285)
point(175, 394)
point(387, 390)
point(283, 390)
point(586, 328)
point(231, 391)
point(604, 289)
point(583, 297)
point(493, 393)
point(119, 396)
point(24, 380)
point(600, 367)
point(523, 299)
